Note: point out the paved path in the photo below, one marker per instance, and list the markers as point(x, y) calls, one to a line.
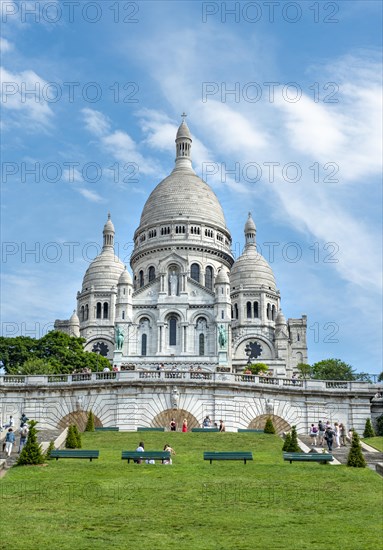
point(43, 435)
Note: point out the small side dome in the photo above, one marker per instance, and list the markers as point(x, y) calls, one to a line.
point(74, 320)
point(125, 278)
point(280, 320)
point(183, 131)
point(222, 276)
point(251, 270)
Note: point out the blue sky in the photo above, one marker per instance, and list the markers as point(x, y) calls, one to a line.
point(297, 142)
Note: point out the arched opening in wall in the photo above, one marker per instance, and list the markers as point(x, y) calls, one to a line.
point(248, 310)
point(255, 307)
point(209, 277)
point(259, 423)
point(173, 331)
point(195, 272)
point(201, 346)
point(98, 310)
point(236, 310)
point(141, 278)
point(80, 419)
point(144, 344)
point(105, 312)
point(82, 316)
point(86, 312)
point(152, 273)
point(268, 312)
point(273, 311)
point(163, 419)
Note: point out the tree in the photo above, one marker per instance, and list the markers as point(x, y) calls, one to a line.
point(304, 370)
point(37, 366)
point(31, 453)
point(380, 377)
point(355, 456)
point(51, 448)
point(287, 442)
point(332, 369)
point(379, 425)
point(256, 368)
point(293, 446)
point(77, 436)
point(269, 427)
point(368, 429)
point(363, 377)
point(90, 422)
point(71, 439)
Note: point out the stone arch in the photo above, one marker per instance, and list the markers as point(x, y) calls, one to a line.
point(163, 419)
point(280, 424)
point(79, 418)
point(239, 353)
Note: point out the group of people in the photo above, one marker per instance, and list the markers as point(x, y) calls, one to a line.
point(326, 433)
point(141, 449)
point(10, 438)
point(206, 423)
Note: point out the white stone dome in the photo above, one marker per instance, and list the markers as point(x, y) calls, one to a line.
point(104, 271)
point(74, 320)
point(251, 270)
point(222, 276)
point(125, 278)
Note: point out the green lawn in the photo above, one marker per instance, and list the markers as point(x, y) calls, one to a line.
point(267, 504)
point(376, 442)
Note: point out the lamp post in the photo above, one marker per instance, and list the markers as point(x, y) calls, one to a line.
point(97, 350)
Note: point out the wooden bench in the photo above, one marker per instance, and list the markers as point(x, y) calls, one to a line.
point(142, 429)
point(74, 453)
point(237, 455)
point(108, 429)
point(205, 430)
point(243, 430)
point(308, 457)
point(145, 455)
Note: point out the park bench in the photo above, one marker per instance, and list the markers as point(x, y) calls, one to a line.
point(145, 455)
point(308, 457)
point(108, 429)
point(142, 429)
point(74, 453)
point(243, 430)
point(219, 455)
point(205, 430)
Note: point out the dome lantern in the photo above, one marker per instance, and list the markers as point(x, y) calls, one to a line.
point(250, 230)
point(108, 234)
point(183, 146)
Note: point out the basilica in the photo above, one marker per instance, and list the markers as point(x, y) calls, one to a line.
point(188, 303)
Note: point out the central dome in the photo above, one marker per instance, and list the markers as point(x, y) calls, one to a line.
point(183, 195)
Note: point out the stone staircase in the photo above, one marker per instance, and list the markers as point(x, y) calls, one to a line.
point(42, 436)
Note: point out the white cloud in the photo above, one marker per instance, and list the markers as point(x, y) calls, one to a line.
point(90, 195)
point(95, 122)
point(5, 45)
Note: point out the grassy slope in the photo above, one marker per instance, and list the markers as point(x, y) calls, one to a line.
point(267, 504)
point(376, 442)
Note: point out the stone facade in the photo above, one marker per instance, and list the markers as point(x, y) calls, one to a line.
point(188, 299)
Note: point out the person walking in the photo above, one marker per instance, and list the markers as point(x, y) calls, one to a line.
point(23, 437)
point(9, 424)
point(173, 425)
point(9, 441)
point(313, 434)
point(329, 437)
point(185, 425)
point(337, 434)
point(321, 431)
point(23, 420)
point(343, 435)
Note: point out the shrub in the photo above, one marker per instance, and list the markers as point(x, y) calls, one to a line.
point(51, 448)
point(287, 442)
point(293, 446)
point(379, 425)
point(71, 439)
point(77, 436)
point(90, 422)
point(257, 368)
point(355, 456)
point(269, 427)
point(31, 453)
point(368, 429)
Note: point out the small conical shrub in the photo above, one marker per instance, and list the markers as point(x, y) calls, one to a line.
point(293, 447)
point(269, 427)
point(355, 456)
point(379, 425)
point(287, 442)
point(90, 422)
point(368, 429)
point(71, 439)
point(77, 436)
point(51, 448)
point(31, 453)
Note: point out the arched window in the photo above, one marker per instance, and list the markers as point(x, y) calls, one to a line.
point(201, 347)
point(232, 312)
point(105, 312)
point(298, 337)
point(86, 312)
point(209, 277)
point(194, 272)
point(82, 316)
point(123, 315)
point(98, 310)
point(273, 313)
point(144, 341)
point(141, 277)
point(172, 331)
point(256, 311)
point(268, 311)
point(236, 310)
point(248, 310)
point(152, 273)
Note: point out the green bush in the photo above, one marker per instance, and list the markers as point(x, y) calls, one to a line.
point(90, 422)
point(269, 427)
point(51, 448)
point(293, 446)
point(287, 442)
point(368, 429)
point(77, 436)
point(31, 453)
point(355, 456)
point(257, 368)
point(71, 439)
point(379, 425)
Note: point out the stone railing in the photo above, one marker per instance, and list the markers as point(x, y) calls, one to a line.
point(185, 376)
